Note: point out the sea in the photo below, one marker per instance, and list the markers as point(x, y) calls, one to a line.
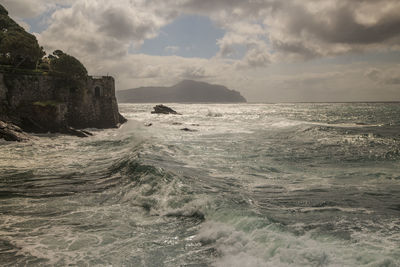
point(304, 184)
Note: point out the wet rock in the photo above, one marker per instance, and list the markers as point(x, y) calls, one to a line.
point(195, 214)
point(161, 109)
point(87, 133)
point(121, 119)
point(11, 132)
point(75, 132)
point(188, 130)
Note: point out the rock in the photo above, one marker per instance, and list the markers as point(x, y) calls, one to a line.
point(177, 123)
point(148, 124)
point(161, 109)
point(188, 130)
point(11, 132)
point(87, 133)
point(122, 119)
point(196, 214)
point(75, 132)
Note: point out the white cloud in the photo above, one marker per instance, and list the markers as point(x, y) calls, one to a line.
point(172, 49)
point(193, 73)
point(30, 9)
point(101, 28)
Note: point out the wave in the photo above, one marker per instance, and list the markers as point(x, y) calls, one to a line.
point(347, 144)
point(214, 114)
point(157, 191)
point(257, 241)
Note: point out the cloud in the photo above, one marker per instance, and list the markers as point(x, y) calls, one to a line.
point(172, 49)
point(291, 29)
point(25, 9)
point(387, 77)
point(102, 28)
point(373, 74)
point(313, 29)
point(257, 56)
point(30, 9)
point(193, 73)
point(258, 35)
point(306, 29)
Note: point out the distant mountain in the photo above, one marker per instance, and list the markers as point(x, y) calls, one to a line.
point(186, 91)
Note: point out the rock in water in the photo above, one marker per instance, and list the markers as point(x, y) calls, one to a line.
point(188, 130)
point(161, 109)
point(76, 132)
point(10, 132)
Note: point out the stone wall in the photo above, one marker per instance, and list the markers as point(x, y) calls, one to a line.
point(3, 98)
point(3, 88)
point(26, 89)
point(31, 100)
point(97, 106)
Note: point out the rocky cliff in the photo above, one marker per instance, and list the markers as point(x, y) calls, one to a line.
point(184, 92)
point(45, 103)
point(48, 94)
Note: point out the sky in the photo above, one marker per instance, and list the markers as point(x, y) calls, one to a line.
point(269, 50)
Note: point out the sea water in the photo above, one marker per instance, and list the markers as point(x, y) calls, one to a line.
point(248, 185)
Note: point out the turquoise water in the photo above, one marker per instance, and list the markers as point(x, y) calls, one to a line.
point(252, 185)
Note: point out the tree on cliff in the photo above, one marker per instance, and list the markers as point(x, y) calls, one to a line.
point(17, 47)
point(67, 66)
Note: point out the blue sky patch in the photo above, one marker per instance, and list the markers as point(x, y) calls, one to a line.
point(187, 36)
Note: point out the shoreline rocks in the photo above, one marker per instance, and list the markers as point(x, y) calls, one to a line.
point(11, 132)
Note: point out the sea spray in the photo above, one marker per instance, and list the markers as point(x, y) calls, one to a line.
point(263, 185)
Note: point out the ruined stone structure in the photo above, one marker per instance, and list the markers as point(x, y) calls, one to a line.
point(43, 103)
point(96, 106)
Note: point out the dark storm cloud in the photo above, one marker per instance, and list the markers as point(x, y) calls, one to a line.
point(118, 23)
point(340, 25)
point(311, 28)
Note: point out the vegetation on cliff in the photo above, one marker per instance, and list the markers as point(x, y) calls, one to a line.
point(17, 47)
point(21, 53)
point(66, 65)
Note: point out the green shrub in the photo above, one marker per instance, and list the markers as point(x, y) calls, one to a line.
point(17, 47)
point(49, 103)
point(67, 66)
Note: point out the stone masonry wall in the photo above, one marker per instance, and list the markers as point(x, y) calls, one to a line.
point(88, 105)
point(3, 98)
point(95, 109)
